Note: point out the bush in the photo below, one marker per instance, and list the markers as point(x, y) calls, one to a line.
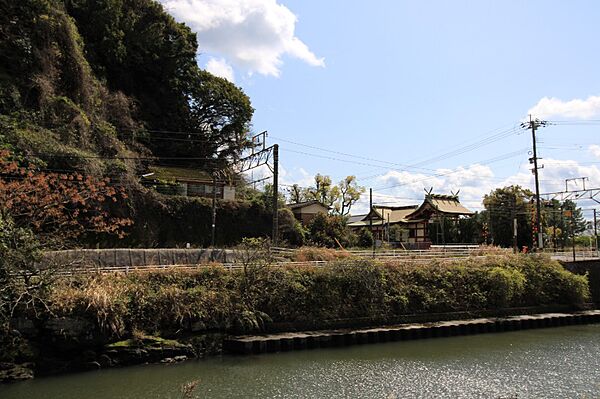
point(312, 254)
point(330, 231)
point(365, 238)
point(215, 298)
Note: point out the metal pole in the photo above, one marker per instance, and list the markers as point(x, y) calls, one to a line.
point(275, 234)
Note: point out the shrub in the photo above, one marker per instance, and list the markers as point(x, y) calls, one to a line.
point(311, 254)
point(215, 298)
point(365, 238)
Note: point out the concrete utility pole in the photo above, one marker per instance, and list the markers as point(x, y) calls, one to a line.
point(533, 125)
point(515, 246)
point(275, 236)
point(596, 231)
point(214, 210)
point(371, 218)
point(515, 224)
point(573, 233)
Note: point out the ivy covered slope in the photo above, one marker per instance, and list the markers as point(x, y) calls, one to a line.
point(100, 87)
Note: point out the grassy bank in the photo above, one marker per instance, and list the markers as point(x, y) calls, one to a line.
point(213, 298)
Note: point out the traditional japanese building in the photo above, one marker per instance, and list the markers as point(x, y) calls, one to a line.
point(414, 220)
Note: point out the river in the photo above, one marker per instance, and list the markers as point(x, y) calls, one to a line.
point(547, 363)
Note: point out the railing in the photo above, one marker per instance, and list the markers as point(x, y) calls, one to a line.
point(568, 255)
point(84, 261)
point(436, 251)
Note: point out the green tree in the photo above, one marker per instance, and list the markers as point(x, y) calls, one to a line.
point(340, 197)
point(349, 193)
point(501, 207)
point(365, 238)
point(142, 51)
point(323, 191)
point(328, 230)
point(562, 220)
point(296, 194)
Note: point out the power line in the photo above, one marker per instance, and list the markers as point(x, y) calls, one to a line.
point(492, 160)
point(348, 155)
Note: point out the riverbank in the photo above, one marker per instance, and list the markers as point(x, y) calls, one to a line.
point(106, 320)
point(537, 363)
point(282, 342)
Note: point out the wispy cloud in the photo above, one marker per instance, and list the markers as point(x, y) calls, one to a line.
point(595, 150)
point(551, 107)
point(253, 35)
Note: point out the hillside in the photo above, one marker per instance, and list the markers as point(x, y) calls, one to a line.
point(110, 89)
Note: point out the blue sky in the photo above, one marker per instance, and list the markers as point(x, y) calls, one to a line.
point(398, 83)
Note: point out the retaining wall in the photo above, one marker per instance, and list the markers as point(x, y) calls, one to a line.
point(323, 339)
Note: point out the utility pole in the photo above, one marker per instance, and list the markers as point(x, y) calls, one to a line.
point(596, 231)
point(514, 217)
point(214, 210)
point(533, 125)
point(371, 218)
point(515, 246)
point(573, 233)
point(275, 235)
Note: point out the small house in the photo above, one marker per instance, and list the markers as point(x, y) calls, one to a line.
point(306, 211)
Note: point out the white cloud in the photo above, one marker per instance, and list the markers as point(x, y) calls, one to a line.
point(220, 67)
point(595, 150)
point(251, 34)
point(474, 181)
point(577, 108)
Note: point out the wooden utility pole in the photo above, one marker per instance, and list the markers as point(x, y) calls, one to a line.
point(533, 125)
point(275, 234)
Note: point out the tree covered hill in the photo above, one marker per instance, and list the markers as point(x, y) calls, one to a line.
point(114, 78)
point(109, 87)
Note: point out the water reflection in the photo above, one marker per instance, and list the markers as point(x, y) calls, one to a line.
point(558, 362)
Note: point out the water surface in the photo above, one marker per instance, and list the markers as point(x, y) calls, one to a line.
point(547, 363)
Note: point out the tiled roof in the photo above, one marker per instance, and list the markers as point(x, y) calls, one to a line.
point(448, 204)
point(305, 204)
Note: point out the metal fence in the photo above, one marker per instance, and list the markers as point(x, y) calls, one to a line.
point(129, 260)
